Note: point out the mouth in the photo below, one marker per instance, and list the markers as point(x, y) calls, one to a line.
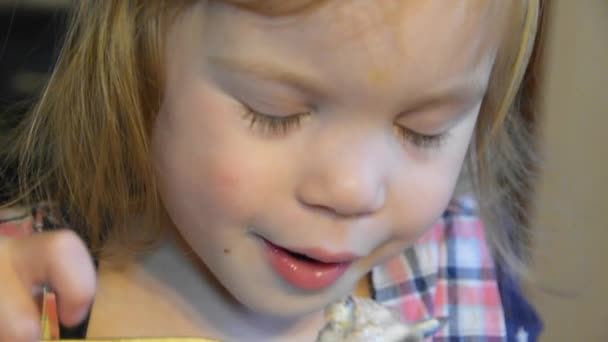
point(307, 269)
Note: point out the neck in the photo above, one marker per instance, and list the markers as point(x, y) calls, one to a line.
point(177, 271)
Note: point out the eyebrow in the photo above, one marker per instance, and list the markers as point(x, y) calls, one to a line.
point(269, 72)
point(467, 88)
point(458, 89)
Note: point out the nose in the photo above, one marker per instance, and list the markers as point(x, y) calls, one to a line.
point(347, 183)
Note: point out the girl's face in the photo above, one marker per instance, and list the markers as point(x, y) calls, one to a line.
point(339, 133)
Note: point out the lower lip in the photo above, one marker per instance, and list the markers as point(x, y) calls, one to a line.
point(304, 274)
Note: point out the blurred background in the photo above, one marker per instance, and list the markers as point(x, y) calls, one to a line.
point(571, 256)
point(570, 268)
point(30, 32)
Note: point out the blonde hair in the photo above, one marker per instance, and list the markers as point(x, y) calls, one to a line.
point(503, 160)
point(85, 145)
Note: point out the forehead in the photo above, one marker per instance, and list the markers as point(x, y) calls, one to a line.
point(381, 40)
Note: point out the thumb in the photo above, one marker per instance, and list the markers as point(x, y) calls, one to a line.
point(61, 260)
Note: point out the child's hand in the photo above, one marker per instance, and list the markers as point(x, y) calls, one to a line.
point(57, 259)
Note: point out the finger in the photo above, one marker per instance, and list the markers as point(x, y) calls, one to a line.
point(19, 315)
point(61, 260)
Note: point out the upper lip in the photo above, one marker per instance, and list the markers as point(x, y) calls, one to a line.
point(321, 254)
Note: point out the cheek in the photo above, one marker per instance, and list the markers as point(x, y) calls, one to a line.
point(427, 188)
point(197, 155)
point(228, 188)
point(428, 196)
point(208, 176)
point(204, 185)
point(227, 182)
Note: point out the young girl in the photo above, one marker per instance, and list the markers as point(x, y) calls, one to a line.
point(233, 167)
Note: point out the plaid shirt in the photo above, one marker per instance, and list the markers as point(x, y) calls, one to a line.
point(448, 273)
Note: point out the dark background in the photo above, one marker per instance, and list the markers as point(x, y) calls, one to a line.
point(31, 32)
point(30, 35)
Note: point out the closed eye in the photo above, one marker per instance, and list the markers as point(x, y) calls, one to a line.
point(278, 126)
point(272, 125)
point(421, 140)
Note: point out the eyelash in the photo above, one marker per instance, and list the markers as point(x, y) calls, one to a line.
point(280, 126)
point(273, 125)
point(426, 141)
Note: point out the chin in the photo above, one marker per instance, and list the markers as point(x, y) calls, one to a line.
point(284, 303)
point(275, 299)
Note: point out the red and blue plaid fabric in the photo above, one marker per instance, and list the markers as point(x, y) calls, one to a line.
point(448, 273)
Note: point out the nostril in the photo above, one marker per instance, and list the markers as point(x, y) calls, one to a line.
point(346, 204)
point(341, 211)
point(351, 192)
